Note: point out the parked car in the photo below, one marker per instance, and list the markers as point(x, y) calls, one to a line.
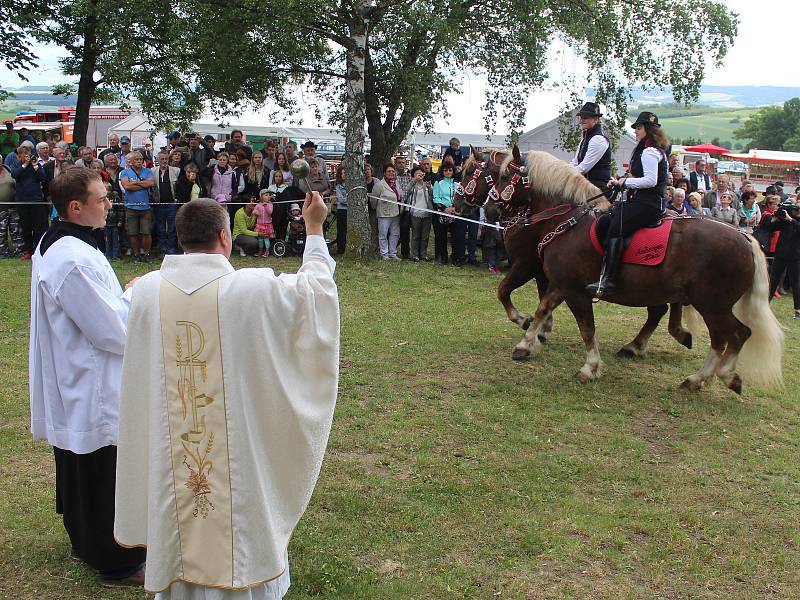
point(330, 150)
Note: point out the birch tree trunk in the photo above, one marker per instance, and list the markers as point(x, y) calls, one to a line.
point(358, 228)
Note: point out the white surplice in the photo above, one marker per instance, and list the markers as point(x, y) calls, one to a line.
point(78, 327)
point(229, 386)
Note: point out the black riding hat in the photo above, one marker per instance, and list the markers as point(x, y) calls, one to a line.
point(646, 118)
point(590, 109)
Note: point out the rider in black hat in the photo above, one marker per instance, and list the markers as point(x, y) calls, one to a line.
point(593, 156)
point(645, 204)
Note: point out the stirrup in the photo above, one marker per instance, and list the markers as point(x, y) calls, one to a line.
point(597, 293)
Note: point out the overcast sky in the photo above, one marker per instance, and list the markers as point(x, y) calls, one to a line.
point(764, 54)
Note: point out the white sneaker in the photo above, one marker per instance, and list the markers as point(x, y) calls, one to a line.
point(242, 252)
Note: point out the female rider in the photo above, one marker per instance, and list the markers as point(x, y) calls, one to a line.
point(645, 203)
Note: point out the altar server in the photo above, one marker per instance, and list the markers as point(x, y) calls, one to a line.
point(78, 326)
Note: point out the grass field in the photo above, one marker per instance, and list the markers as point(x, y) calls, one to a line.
point(453, 472)
point(707, 127)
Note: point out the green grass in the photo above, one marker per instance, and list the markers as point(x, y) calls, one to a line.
point(707, 126)
point(453, 472)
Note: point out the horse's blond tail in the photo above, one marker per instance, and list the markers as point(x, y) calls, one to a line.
point(762, 354)
point(693, 321)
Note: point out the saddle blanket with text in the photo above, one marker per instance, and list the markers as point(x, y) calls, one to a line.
point(647, 246)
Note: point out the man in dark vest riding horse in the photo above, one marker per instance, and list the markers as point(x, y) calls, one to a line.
point(644, 205)
point(593, 157)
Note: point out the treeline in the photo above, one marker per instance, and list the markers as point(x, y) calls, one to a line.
point(773, 128)
point(676, 109)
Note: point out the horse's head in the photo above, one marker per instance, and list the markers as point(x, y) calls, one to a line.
point(480, 183)
point(475, 185)
point(510, 189)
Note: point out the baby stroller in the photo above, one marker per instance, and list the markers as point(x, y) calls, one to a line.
point(295, 241)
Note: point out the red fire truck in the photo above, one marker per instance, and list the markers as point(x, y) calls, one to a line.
point(62, 121)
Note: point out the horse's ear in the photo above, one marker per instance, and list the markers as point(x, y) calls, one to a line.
point(474, 152)
point(515, 153)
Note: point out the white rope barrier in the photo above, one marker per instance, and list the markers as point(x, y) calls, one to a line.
point(428, 210)
point(298, 201)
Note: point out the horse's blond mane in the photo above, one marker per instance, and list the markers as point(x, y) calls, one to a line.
point(552, 177)
point(469, 160)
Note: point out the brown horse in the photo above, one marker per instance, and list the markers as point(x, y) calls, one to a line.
point(525, 265)
point(726, 282)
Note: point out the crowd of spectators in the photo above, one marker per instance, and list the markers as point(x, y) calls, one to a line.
point(701, 195)
point(259, 189)
point(146, 188)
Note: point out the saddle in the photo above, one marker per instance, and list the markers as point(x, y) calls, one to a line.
point(647, 246)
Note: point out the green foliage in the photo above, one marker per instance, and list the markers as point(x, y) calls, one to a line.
point(179, 58)
point(16, 17)
point(418, 52)
point(64, 89)
point(773, 127)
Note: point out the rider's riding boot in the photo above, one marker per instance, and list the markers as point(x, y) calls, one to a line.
point(608, 275)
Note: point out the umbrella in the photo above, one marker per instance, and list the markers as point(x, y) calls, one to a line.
point(709, 148)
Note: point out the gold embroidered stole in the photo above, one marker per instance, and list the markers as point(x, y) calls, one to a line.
point(195, 397)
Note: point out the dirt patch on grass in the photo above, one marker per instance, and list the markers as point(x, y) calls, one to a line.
point(390, 568)
point(372, 463)
point(447, 379)
point(659, 430)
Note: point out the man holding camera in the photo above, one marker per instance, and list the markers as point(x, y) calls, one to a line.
point(787, 253)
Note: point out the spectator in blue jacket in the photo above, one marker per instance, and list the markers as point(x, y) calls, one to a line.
point(29, 178)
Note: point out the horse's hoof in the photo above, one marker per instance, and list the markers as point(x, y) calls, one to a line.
point(687, 341)
point(520, 354)
point(690, 385)
point(736, 384)
point(583, 377)
point(527, 323)
point(626, 352)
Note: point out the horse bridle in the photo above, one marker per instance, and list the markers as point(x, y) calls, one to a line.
point(468, 191)
point(505, 195)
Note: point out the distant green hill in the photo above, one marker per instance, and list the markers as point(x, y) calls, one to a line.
point(716, 123)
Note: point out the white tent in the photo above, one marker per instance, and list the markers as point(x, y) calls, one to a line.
point(139, 129)
point(546, 137)
point(136, 127)
point(479, 140)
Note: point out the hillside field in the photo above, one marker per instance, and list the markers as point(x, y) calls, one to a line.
point(707, 126)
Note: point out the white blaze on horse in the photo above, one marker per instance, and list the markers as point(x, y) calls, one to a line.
point(705, 266)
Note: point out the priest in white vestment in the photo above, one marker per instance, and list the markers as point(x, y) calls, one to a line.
point(228, 391)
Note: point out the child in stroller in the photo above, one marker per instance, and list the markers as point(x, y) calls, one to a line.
point(295, 241)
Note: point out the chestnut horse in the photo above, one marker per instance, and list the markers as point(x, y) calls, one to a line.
point(526, 265)
point(710, 267)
